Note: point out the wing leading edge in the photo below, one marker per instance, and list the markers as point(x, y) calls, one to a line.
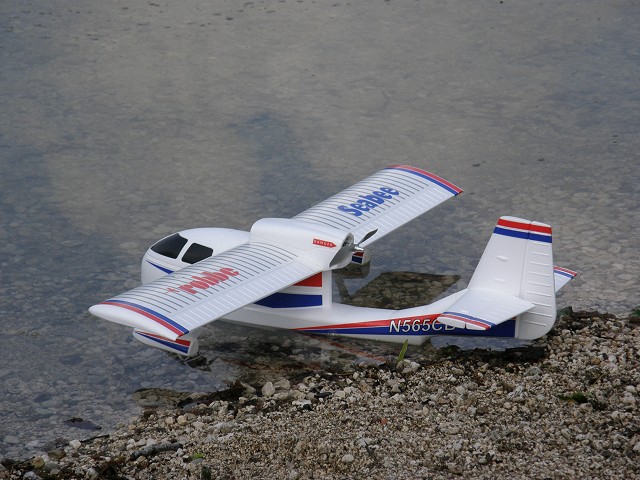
point(384, 201)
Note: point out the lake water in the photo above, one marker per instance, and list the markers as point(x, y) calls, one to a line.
point(121, 123)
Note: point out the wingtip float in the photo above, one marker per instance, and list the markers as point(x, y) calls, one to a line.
point(279, 274)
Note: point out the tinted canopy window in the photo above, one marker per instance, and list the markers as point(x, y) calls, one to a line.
point(170, 246)
point(196, 252)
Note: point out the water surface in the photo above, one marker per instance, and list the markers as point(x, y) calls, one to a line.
point(120, 124)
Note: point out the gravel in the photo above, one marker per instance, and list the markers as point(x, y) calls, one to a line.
point(565, 406)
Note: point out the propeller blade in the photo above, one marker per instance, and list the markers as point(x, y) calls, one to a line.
point(367, 237)
point(343, 257)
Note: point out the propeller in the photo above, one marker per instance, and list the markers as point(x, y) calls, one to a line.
point(343, 257)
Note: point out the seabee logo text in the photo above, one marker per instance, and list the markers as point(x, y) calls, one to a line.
point(367, 202)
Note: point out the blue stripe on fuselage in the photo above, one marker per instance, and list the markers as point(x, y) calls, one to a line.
point(290, 300)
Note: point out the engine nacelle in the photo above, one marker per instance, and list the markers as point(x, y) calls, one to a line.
point(321, 244)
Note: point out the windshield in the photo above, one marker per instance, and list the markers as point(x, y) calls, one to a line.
point(196, 252)
point(170, 246)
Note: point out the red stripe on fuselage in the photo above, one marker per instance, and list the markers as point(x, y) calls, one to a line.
point(312, 281)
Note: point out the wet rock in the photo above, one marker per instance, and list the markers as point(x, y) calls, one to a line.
point(75, 444)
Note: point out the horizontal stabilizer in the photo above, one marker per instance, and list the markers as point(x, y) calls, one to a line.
point(483, 309)
point(562, 276)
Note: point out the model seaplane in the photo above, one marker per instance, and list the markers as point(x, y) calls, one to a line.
point(278, 274)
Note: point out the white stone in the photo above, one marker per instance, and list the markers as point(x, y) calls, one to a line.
point(182, 420)
point(75, 444)
point(268, 389)
point(347, 458)
point(91, 473)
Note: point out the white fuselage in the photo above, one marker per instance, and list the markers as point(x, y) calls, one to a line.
point(306, 306)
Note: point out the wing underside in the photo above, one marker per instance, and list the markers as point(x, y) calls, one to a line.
point(384, 201)
point(173, 305)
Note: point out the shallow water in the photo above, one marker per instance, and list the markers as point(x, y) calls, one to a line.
point(120, 124)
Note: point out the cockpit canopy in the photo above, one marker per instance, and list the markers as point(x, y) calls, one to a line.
point(186, 248)
point(172, 246)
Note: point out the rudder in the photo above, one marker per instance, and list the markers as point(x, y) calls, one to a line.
point(518, 261)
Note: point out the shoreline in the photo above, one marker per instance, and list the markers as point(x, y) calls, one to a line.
point(565, 406)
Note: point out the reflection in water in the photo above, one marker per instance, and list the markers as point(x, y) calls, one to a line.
point(393, 290)
point(256, 355)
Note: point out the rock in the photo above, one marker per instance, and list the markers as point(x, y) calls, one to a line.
point(75, 444)
point(283, 384)
point(224, 427)
point(347, 458)
point(182, 420)
point(534, 371)
point(198, 425)
point(31, 476)
point(57, 454)
point(51, 467)
point(302, 404)
point(268, 390)
point(91, 473)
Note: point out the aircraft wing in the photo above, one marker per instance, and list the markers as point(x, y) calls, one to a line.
point(384, 201)
point(175, 304)
point(483, 309)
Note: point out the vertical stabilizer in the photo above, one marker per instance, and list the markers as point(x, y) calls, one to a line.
point(518, 261)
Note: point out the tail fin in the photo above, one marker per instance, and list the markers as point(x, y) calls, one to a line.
point(518, 261)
